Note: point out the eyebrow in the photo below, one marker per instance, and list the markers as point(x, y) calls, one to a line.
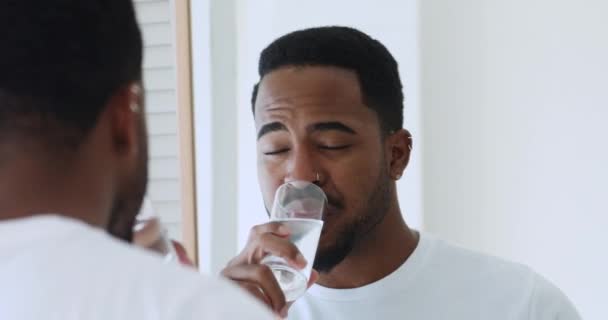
point(321, 126)
point(271, 127)
point(332, 126)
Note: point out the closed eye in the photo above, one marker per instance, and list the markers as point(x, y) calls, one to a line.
point(276, 152)
point(340, 147)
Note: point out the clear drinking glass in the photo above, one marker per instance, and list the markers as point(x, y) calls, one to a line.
point(149, 232)
point(299, 205)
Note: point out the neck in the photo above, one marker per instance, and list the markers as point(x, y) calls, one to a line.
point(379, 253)
point(30, 186)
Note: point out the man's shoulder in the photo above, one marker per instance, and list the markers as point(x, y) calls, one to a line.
point(187, 294)
point(136, 282)
point(496, 278)
point(469, 263)
point(182, 290)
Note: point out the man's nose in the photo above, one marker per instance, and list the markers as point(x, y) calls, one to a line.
point(303, 166)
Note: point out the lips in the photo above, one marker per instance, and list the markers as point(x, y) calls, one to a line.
point(305, 214)
point(328, 217)
point(333, 208)
point(328, 212)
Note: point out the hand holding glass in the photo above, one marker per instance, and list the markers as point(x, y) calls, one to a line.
point(149, 232)
point(298, 205)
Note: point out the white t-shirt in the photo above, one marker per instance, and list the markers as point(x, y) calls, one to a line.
point(57, 268)
point(441, 281)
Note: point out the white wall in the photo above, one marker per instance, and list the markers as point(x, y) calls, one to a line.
point(515, 97)
point(215, 119)
point(394, 23)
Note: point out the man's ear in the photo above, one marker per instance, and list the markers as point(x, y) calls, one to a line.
point(399, 147)
point(126, 116)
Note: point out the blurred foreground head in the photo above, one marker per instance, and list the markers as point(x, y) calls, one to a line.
point(72, 130)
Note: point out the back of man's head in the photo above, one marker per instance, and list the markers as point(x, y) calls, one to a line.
point(72, 133)
point(60, 62)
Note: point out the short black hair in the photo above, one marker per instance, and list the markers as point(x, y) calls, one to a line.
point(61, 61)
point(346, 48)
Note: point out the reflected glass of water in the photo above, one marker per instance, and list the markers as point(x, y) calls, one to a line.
point(149, 233)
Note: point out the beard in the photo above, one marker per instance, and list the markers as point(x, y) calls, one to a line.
point(127, 204)
point(349, 235)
